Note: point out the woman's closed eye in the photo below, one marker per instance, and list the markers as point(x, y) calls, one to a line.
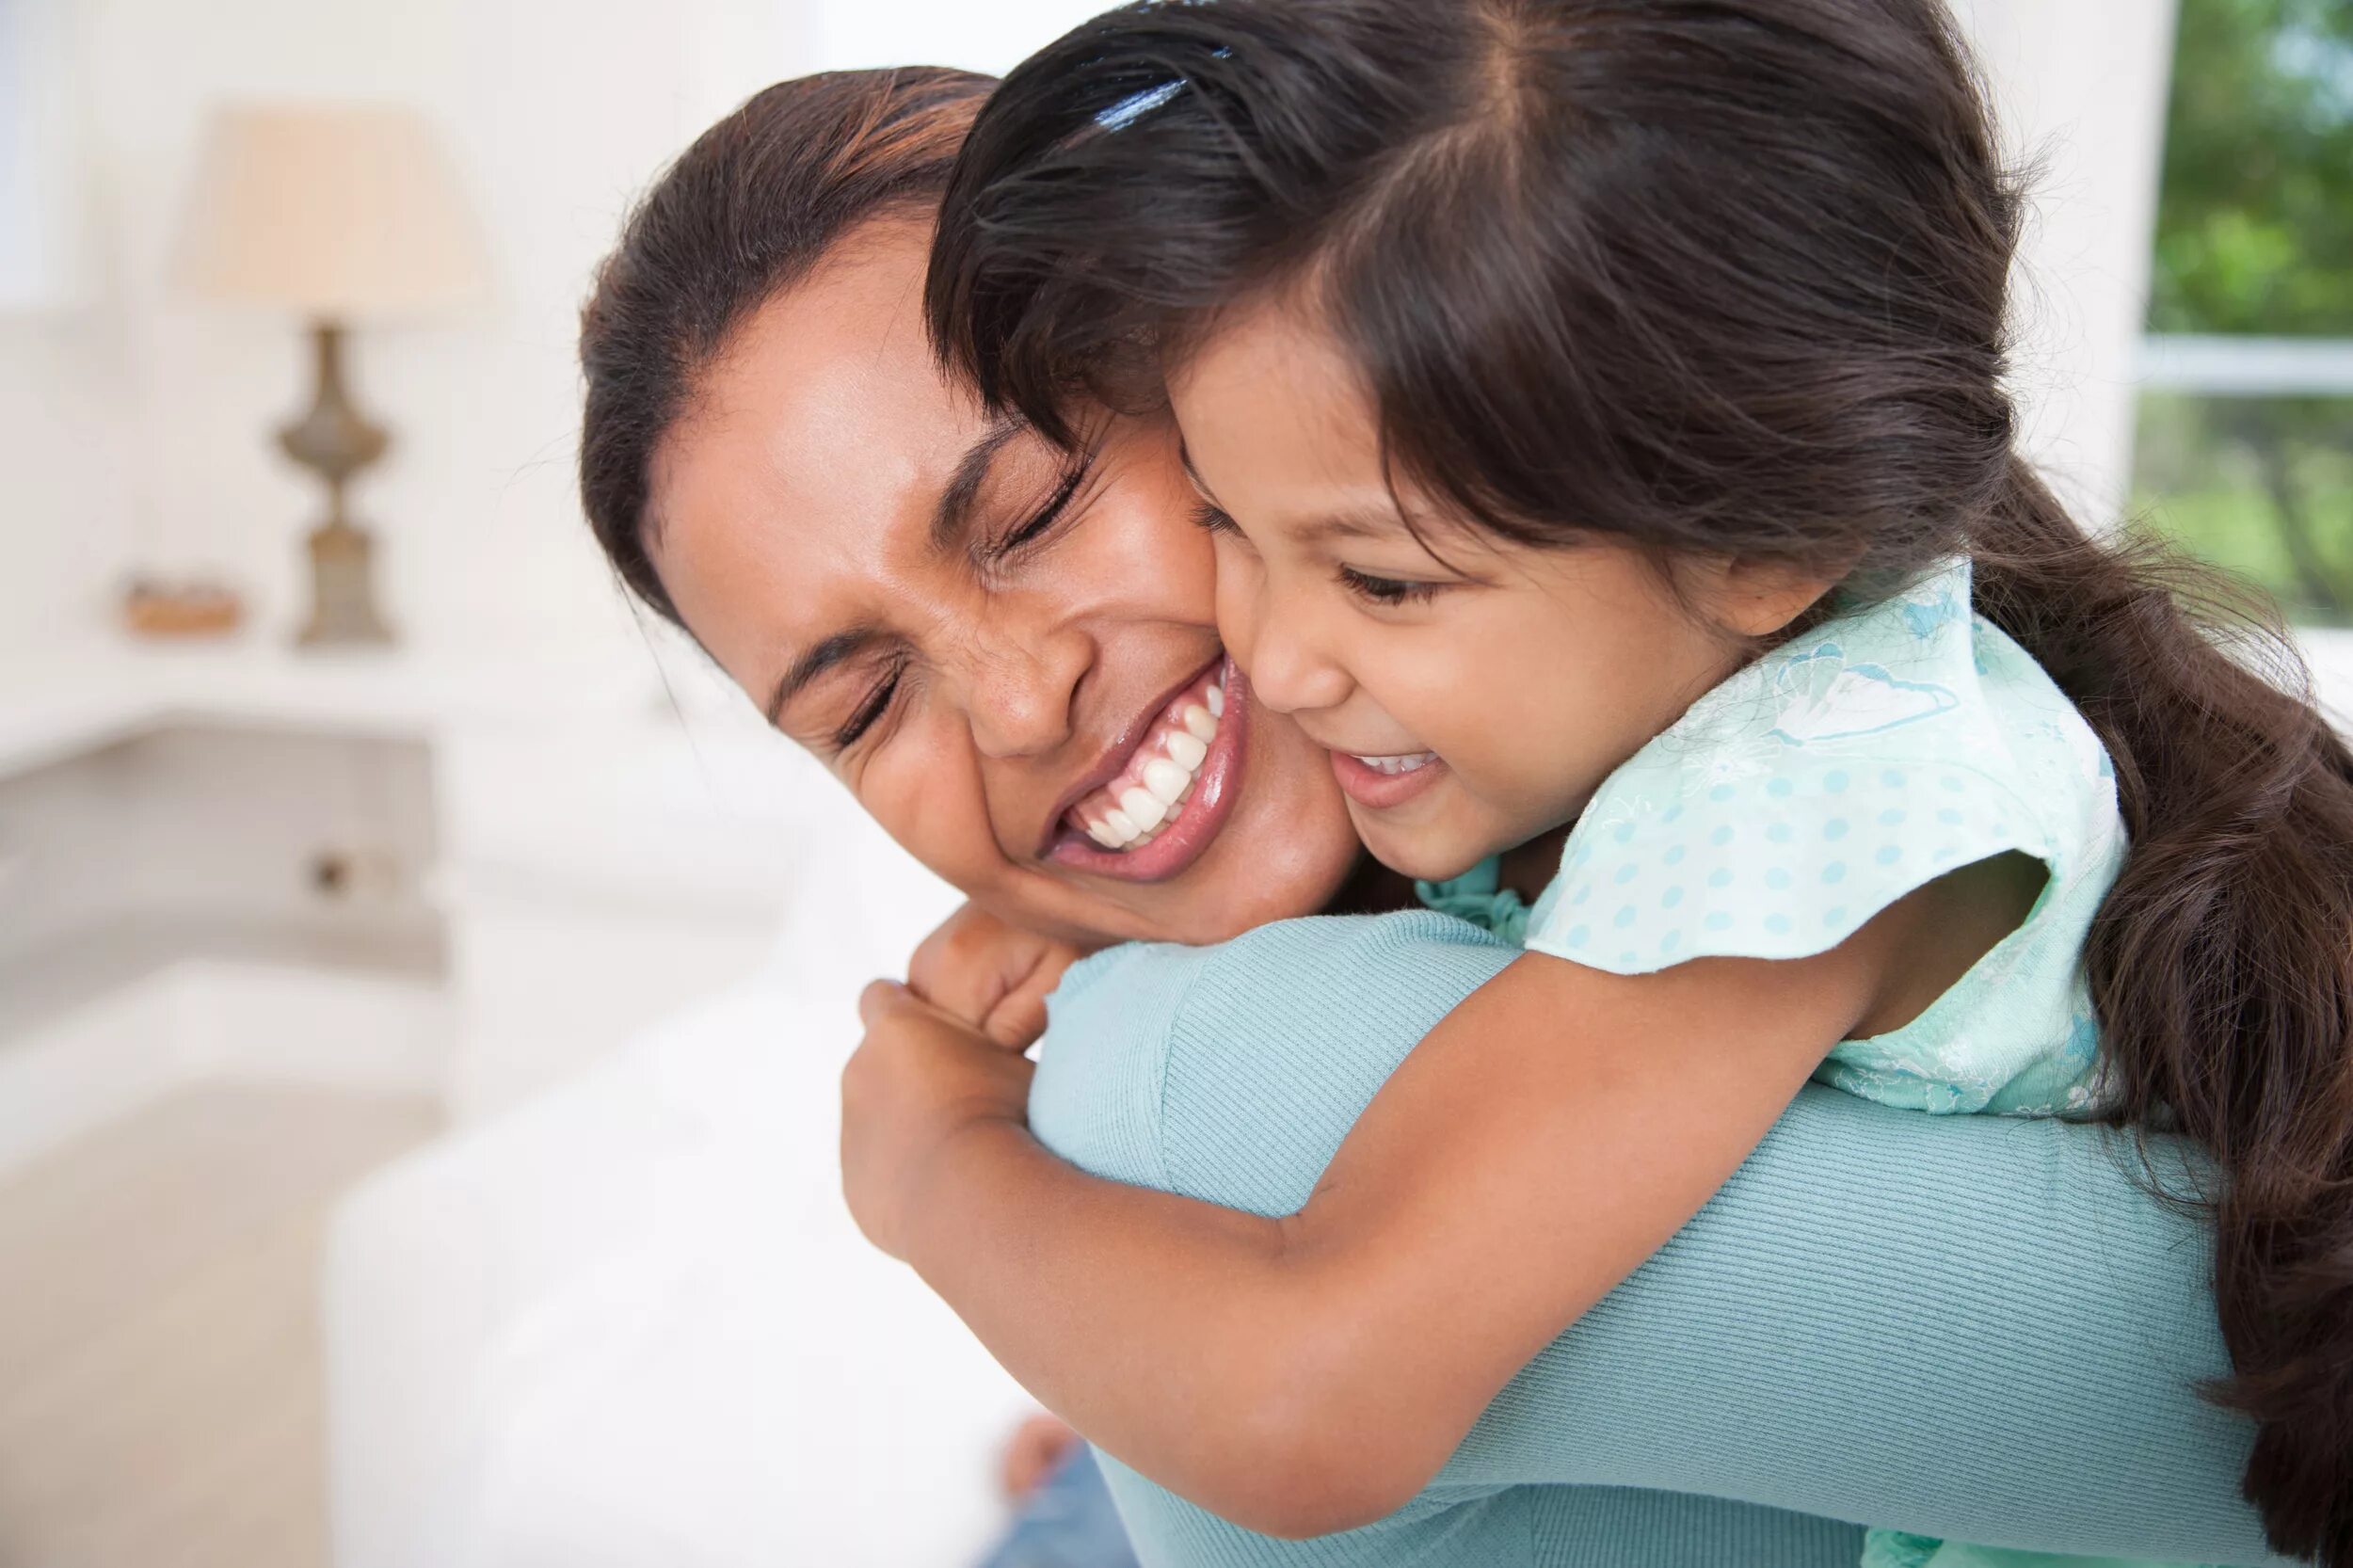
point(1034, 527)
point(872, 708)
point(1212, 518)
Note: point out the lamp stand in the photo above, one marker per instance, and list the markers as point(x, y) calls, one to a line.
point(335, 441)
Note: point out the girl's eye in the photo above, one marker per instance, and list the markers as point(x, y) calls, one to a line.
point(1213, 520)
point(869, 713)
point(1387, 591)
point(1045, 517)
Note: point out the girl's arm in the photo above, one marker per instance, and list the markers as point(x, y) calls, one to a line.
point(1968, 1327)
point(1310, 1373)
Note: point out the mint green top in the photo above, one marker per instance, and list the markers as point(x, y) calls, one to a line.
point(1819, 784)
point(1968, 1327)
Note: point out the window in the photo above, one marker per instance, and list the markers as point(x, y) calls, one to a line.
point(2246, 421)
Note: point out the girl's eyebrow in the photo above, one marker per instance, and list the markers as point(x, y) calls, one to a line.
point(1325, 528)
point(1335, 525)
point(1350, 525)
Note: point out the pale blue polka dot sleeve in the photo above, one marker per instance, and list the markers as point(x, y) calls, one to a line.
point(1784, 864)
point(1807, 792)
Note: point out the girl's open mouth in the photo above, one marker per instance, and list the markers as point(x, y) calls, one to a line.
point(1379, 783)
point(1173, 790)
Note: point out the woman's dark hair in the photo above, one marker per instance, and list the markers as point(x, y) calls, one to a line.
point(1731, 275)
point(748, 211)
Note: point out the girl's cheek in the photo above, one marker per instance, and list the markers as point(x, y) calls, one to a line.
point(1237, 603)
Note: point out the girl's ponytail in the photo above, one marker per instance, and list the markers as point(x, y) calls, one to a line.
point(2222, 962)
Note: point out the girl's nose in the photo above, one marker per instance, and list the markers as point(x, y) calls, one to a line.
point(1024, 688)
point(1278, 646)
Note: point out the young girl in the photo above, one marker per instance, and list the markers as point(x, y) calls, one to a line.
point(1599, 405)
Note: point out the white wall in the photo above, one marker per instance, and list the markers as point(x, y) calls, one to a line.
point(557, 111)
point(135, 428)
point(2081, 88)
point(65, 528)
point(36, 121)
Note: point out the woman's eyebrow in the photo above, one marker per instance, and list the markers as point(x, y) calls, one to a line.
point(954, 511)
point(840, 647)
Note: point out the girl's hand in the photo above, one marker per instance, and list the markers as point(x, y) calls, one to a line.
point(993, 976)
point(920, 1080)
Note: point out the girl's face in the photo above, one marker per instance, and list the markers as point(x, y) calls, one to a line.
point(992, 645)
point(1470, 695)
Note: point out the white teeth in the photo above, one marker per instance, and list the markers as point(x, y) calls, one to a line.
point(1144, 808)
point(1131, 812)
point(1166, 780)
point(1412, 761)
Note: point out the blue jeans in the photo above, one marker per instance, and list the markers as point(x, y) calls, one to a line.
point(1068, 1522)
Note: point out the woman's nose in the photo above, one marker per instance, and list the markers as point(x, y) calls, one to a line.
point(1022, 688)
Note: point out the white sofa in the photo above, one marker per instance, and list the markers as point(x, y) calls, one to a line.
point(631, 1323)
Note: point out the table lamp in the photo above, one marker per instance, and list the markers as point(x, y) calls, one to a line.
point(339, 213)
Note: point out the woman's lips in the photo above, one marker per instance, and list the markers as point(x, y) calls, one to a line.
point(1171, 793)
point(1384, 783)
point(1149, 792)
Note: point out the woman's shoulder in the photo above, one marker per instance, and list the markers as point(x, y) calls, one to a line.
point(1269, 970)
point(1230, 1072)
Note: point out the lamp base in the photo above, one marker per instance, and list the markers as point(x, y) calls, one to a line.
point(342, 596)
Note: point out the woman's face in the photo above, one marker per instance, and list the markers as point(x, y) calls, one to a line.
point(1009, 655)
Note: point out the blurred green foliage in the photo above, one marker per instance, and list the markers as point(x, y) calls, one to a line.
point(2255, 218)
point(2255, 236)
point(2262, 486)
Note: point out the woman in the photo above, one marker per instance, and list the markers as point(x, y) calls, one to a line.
point(976, 633)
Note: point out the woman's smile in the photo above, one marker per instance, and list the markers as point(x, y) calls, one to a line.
point(1158, 799)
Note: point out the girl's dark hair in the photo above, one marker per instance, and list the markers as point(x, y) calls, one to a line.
point(1731, 275)
point(748, 211)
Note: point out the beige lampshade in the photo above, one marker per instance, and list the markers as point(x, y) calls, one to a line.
point(338, 211)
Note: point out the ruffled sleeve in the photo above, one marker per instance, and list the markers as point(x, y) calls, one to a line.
point(1799, 798)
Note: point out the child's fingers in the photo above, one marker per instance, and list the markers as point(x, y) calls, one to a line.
point(962, 968)
point(1019, 1018)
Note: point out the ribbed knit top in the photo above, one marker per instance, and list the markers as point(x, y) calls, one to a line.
point(1749, 1396)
